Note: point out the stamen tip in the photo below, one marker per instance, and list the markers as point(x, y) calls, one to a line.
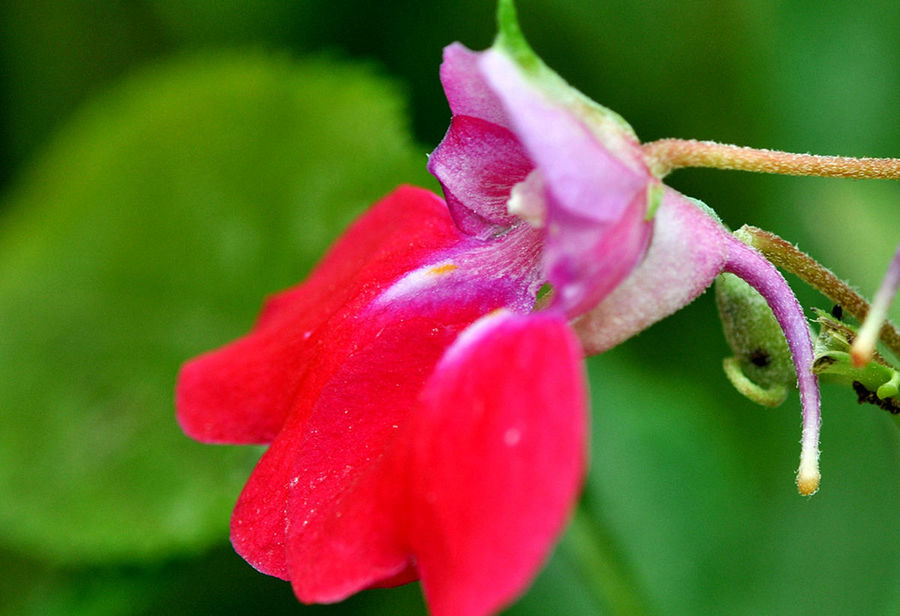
point(808, 481)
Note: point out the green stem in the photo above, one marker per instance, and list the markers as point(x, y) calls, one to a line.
point(602, 566)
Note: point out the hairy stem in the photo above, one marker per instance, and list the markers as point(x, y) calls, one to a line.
point(666, 155)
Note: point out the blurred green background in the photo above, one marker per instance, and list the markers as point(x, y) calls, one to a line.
point(164, 165)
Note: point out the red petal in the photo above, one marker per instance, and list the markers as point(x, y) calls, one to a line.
point(243, 392)
point(499, 456)
point(326, 505)
point(347, 509)
point(260, 516)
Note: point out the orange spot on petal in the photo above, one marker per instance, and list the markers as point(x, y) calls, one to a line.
point(439, 270)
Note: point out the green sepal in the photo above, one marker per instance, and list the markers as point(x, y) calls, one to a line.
point(606, 124)
point(765, 396)
point(655, 193)
point(512, 41)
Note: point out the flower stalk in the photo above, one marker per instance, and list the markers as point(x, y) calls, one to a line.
point(666, 155)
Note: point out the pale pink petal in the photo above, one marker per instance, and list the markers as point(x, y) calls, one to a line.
point(465, 87)
point(591, 189)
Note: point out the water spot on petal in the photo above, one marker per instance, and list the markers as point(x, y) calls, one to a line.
point(512, 436)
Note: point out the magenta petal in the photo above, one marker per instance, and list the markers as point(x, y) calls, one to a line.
point(326, 506)
point(477, 164)
point(499, 456)
point(322, 507)
point(467, 92)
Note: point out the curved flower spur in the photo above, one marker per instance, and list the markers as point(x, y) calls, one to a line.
point(426, 411)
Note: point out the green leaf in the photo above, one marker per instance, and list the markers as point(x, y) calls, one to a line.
point(148, 232)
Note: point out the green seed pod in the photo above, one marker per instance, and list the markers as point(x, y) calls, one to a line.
point(761, 368)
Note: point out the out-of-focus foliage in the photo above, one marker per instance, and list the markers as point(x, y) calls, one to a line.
point(149, 233)
point(165, 164)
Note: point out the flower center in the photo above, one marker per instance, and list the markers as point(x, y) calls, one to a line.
point(526, 200)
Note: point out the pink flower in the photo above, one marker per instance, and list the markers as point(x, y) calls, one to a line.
point(524, 145)
point(620, 250)
point(425, 420)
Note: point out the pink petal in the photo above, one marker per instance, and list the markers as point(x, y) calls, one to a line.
point(243, 392)
point(593, 184)
point(477, 165)
point(467, 92)
point(499, 456)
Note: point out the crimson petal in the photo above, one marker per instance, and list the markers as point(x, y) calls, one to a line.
point(325, 507)
point(243, 392)
point(499, 456)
